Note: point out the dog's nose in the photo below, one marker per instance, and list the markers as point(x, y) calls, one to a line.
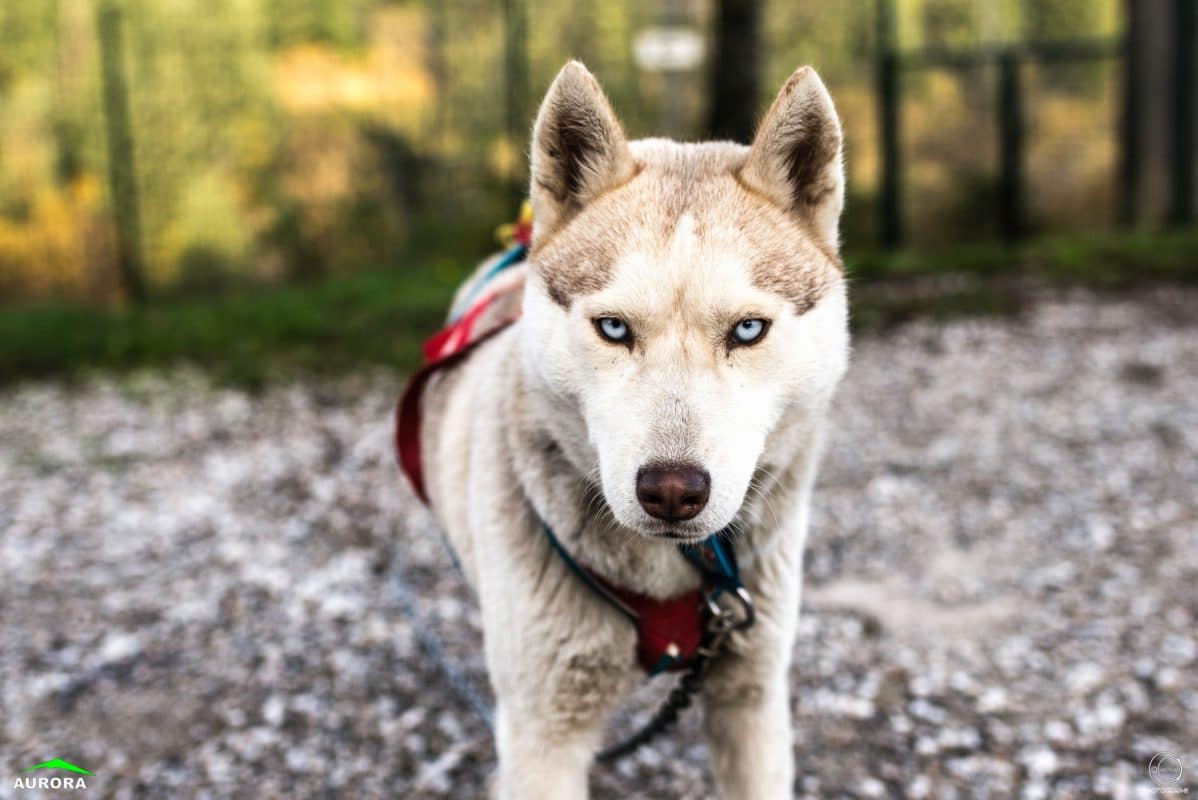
point(673, 493)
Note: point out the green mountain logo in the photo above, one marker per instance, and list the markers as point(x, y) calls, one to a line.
point(58, 763)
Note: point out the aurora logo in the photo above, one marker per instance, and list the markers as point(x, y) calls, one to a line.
point(53, 782)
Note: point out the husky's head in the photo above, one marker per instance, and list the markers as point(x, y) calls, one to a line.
point(686, 307)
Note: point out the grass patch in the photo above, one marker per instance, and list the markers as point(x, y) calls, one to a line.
point(382, 317)
point(892, 287)
point(1103, 261)
point(379, 317)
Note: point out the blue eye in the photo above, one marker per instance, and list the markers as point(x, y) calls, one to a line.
point(613, 329)
point(748, 331)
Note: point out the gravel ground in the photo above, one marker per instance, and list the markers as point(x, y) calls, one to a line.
point(1001, 597)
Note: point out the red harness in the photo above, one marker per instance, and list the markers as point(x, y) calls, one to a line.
point(443, 349)
point(669, 632)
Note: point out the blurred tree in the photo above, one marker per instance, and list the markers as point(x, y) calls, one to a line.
point(27, 35)
point(515, 87)
point(950, 23)
point(1149, 108)
point(1060, 19)
point(275, 137)
point(438, 66)
point(336, 22)
point(735, 70)
point(121, 170)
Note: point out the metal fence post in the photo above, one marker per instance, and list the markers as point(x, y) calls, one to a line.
point(122, 172)
point(1130, 141)
point(1010, 146)
point(890, 200)
point(1181, 206)
point(734, 73)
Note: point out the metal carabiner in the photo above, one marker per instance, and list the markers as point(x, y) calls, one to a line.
point(722, 620)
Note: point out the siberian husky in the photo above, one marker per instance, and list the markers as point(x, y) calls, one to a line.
point(682, 326)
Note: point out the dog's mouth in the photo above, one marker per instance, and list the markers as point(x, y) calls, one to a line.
point(681, 532)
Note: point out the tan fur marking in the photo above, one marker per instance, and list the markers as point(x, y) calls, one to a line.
point(669, 181)
point(802, 287)
point(800, 268)
point(582, 269)
point(572, 266)
point(585, 685)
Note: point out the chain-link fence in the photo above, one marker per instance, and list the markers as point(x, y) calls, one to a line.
point(216, 143)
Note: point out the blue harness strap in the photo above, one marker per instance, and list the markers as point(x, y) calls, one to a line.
point(513, 256)
point(715, 560)
point(586, 576)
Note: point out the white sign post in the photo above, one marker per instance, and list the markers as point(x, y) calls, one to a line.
point(669, 51)
point(672, 49)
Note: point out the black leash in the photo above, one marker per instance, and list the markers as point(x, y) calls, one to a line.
point(664, 720)
point(433, 647)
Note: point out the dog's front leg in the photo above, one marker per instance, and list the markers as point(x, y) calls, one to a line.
point(746, 693)
point(549, 725)
point(555, 689)
point(537, 762)
point(747, 722)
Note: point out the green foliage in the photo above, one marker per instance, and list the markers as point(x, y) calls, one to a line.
point(890, 288)
point(25, 28)
point(280, 140)
point(377, 317)
point(1046, 19)
point(1103, 261)
point(336, 22)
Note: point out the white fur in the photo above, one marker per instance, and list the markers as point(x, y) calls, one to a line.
point(550, 421)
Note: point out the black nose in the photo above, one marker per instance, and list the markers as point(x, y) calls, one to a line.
point(673, 493)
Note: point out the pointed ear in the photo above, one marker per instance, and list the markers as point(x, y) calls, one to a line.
point(578, 149)
point(796, 158)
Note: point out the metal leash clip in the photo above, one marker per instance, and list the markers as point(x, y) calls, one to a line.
point(726, 617)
